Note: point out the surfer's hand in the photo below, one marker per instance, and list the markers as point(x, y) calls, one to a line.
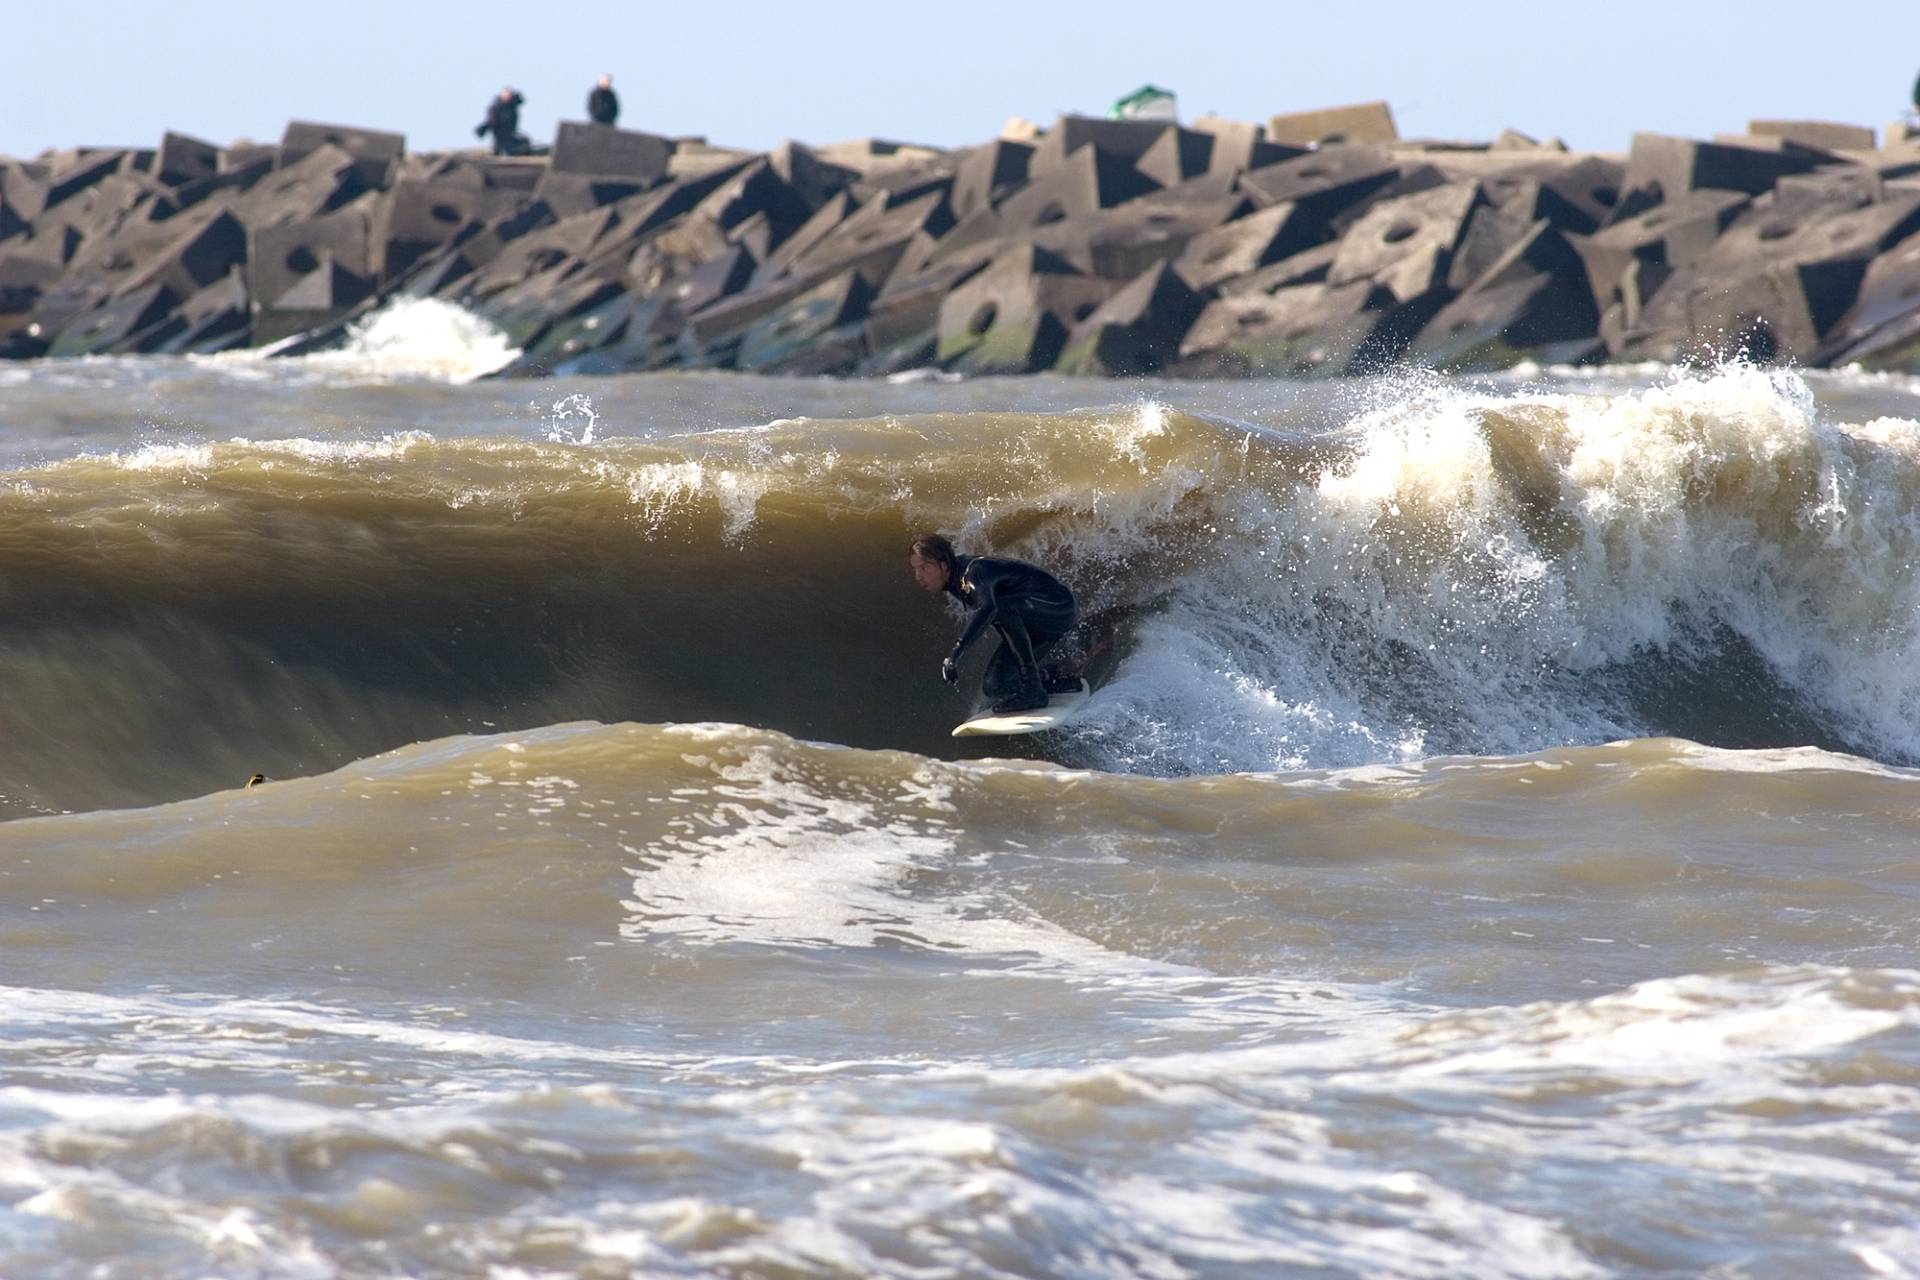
point(950, 671)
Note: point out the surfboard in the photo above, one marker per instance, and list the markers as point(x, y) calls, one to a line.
point(1060, 708)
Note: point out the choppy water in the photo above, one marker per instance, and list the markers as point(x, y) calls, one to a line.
point(1491, 850)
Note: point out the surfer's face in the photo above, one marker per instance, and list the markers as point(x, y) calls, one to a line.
point(930, 574)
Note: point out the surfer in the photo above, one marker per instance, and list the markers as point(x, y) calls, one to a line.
point(1029, 607)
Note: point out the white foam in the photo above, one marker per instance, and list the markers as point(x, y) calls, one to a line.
point(1470, 567)
point(408, 338)
point(776, 861)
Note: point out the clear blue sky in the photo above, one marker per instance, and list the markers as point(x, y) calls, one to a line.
point(751, 72)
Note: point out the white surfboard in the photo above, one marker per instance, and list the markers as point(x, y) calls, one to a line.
point(1060, 708)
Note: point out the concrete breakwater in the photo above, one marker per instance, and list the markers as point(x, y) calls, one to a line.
point(1316, 243)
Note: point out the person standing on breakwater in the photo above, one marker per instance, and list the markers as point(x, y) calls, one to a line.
point(1030, 608)
point(603, 105)
point(503, 122)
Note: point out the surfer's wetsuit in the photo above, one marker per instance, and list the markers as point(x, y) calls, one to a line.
point(1029, 607)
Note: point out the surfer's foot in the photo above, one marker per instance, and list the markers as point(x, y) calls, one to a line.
point(1030, 694)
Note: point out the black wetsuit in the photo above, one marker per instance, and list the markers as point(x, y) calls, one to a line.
point(503, 122)
point(602, 106)
point(1029, 607)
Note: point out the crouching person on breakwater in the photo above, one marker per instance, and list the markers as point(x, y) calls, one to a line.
point(1030, 608)
point(503, 122)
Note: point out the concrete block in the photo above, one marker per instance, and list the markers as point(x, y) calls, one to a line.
point(1407, 244)
point(198, 250)
point(1779, 230)
point(690, 240)
point(1239, 145)
point(283, 255)
point(779, 340)
point(1303, 329)
point(1086, 181)
point(1763, 316)
point(903, 329)
point(1819, 134)
point(565, 346)
point(758, 235)
point(872, 240)
point(184, 159)
point(117, 325)
point(1882, 328)
point(439, 274)
point(1122, 140)
point(1534, 316)
point(566, 243)
point(1836, 188)
point(616, 337)
point(23, 279)
point(1244, 245)
point(375, 153)
point(508, 173)
point(758, 188)
point(79, 172)
point(836, 210)
point(808, 175)
point(1309, 266)
point(527, 310)
point(1014, 316)
point(568, 194)
point(1323, 185)
point(96, 213)
point(1118, 244)
point(1661, 169)
point(642, 214)
point(1492, 229)
point(1533, 300)
point(1411, 180)
point(23, 190)
point(319, 182)
point(196, 190)
point(1576, 195)
point(247, 155)
point(1361, 122)
point(987, 174)
point(1177, 155)
point(714, 279)
point(1778, 280)
point(902, 186)
point(215, 318)
point(1137, 330)
point(722, 324)
point(417, 218)
point(63, 302)
point(603, 149)
point(1515, 140)
point(1662, 238)
point(321, 296)
point(11, 222)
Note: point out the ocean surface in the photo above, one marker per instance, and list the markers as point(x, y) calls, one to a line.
point(1492, 848)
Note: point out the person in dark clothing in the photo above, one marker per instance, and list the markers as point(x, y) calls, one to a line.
point(603, 105)
point(1030, 608)
point(503, 122)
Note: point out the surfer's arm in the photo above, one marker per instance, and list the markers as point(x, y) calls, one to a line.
point(983, 611)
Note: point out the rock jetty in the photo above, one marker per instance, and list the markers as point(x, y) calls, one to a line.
point(1316, 243)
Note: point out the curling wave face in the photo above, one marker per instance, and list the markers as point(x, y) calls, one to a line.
point(1440, 572)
